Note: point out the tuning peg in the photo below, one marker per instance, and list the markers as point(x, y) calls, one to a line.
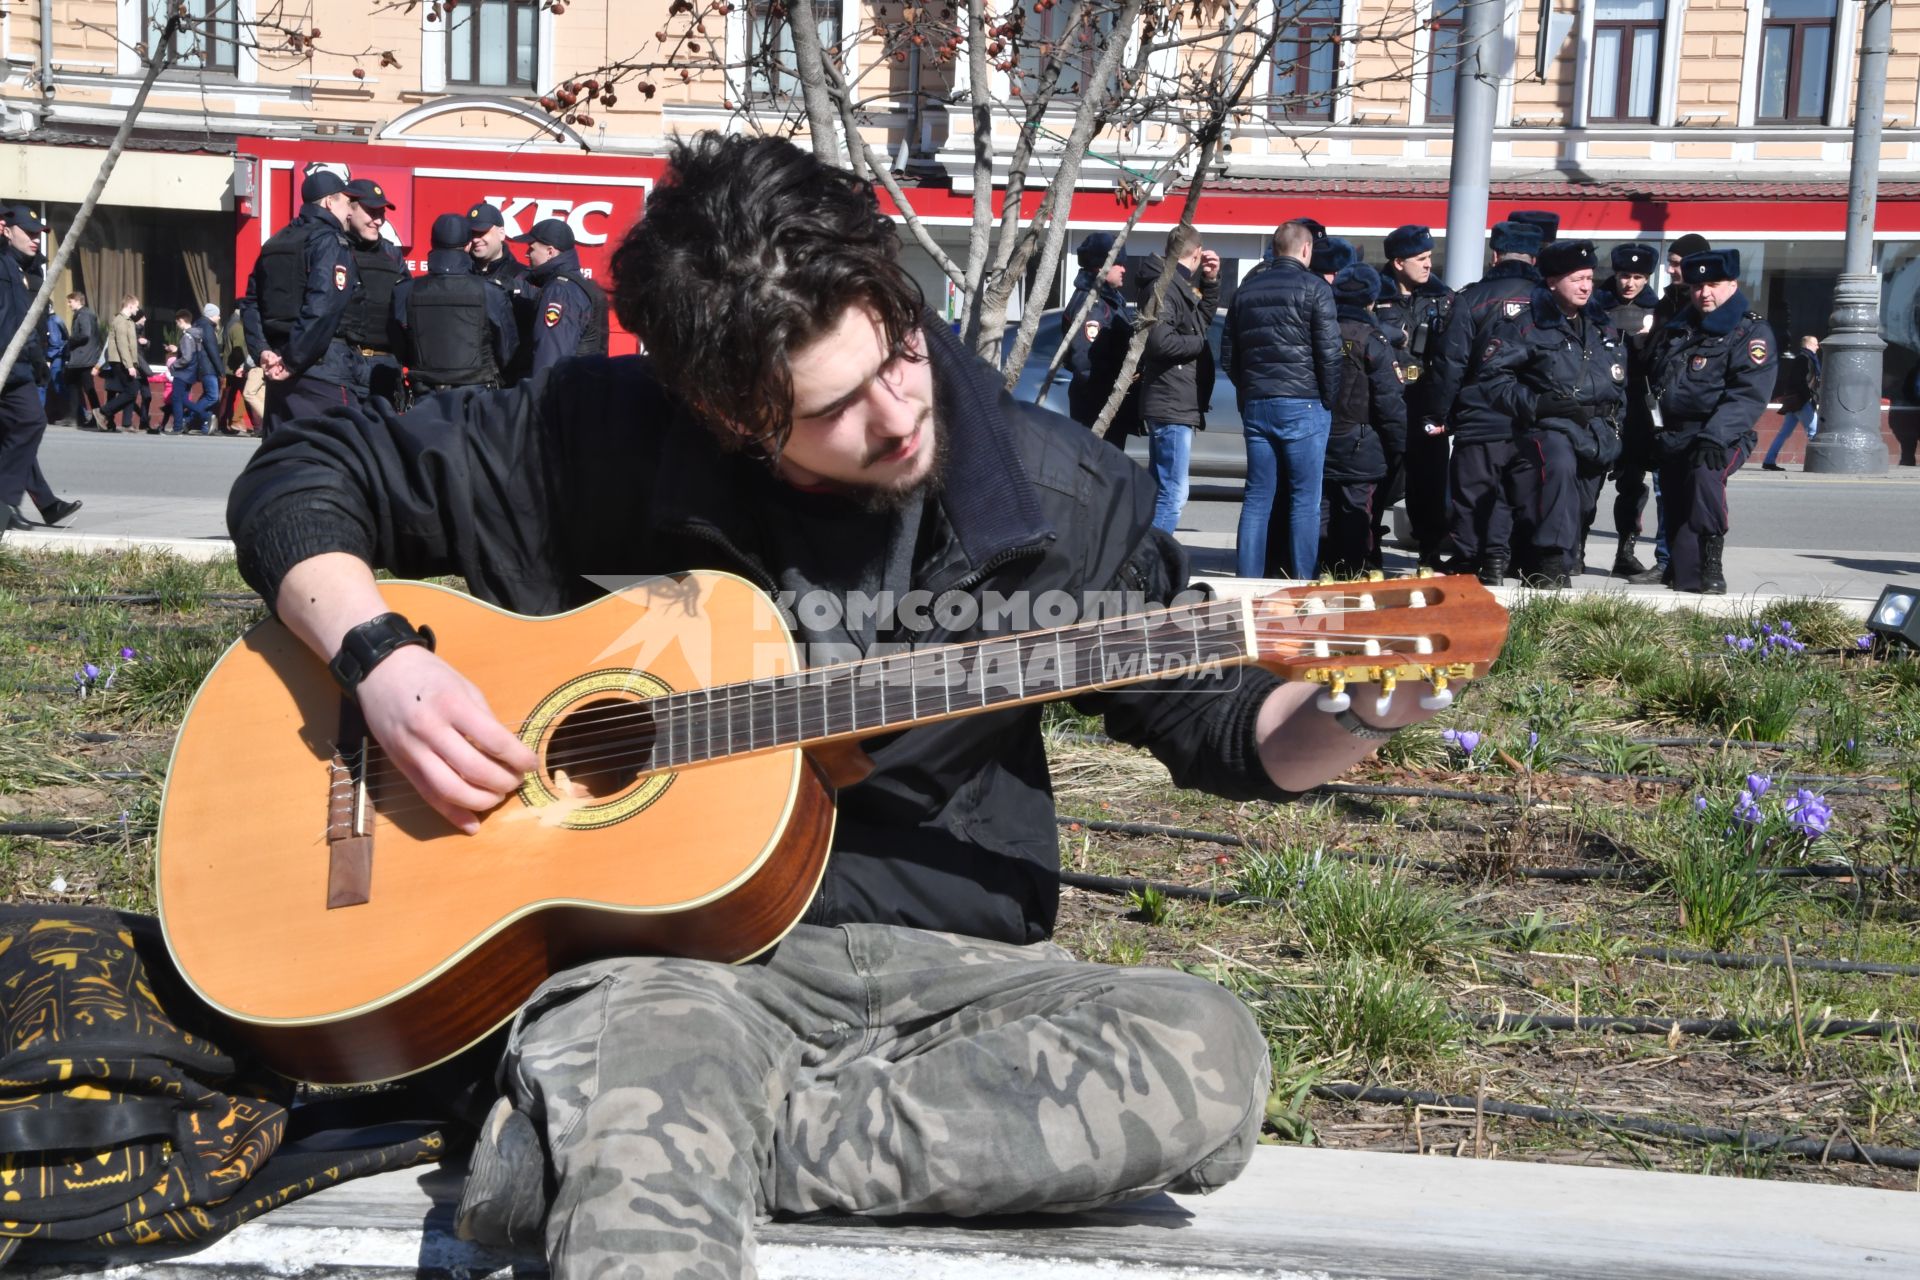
point(1336, 699)
point(1384, 703)
point(1376, 575)
point(1440, 699)
point(1325, 580)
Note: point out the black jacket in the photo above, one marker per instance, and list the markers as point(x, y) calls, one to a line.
point(594, 469)
point(1282, 337)
point(1416, 324)
point(1370, 415)
point(328, 279)
point(1176, 369)
point(19, 280)
point(570, 315)
point(509, 275)
point(1712, 375)
point(1637, 321)
point(1539, 362)
point(85, 340)
point(1095, 363)
point(1501, 295)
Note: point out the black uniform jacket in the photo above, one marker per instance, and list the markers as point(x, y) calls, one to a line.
point(1370, 415)
point(1498, 296)
point(1543, 355)
point(593, 469)
point(1712, 373)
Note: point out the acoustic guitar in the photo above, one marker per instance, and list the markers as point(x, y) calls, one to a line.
point(683, 804)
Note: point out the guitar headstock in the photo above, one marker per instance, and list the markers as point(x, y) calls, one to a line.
point(1381, 630)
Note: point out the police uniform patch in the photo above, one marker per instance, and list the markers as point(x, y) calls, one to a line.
point(1757, 351)
point(1400, 373)
point(1619, 374)
point(340, 275)
point(551, 316)
point(1515, 307)
point(1699, 363)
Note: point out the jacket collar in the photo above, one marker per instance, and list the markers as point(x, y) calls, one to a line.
point(312, 212)
point(1646, 300)
point(449, 262)
point(1723, 319)
point(986, 494)
point(1354, 311)
point(1547, 312)
point(567, 260)
point(1513, 269)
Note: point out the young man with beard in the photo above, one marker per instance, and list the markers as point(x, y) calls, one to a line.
point(810, 426)
point(1413, 310)
point(1711, 370)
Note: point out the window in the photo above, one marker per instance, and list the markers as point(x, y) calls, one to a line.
point(493, 43)
point(1626, 60)
point(1443, 58)
point(209, 37)
point(1796, 55)
point(1045, 38)
point(1306, 60)
point(771, 70)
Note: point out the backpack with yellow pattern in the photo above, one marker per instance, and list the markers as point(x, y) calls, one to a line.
point(121, 1123)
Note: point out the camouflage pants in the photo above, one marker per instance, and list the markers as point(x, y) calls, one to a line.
point(873, 1070)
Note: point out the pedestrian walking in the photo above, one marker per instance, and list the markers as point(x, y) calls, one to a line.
point(459, 328)
point(1097, 350)
point(296, 296)
point(571, 309)
point(1282, 350)
point(1176, 369)
point(239, 367)
point(1558, 371)
point(86, 347)
point(53, 392)
point(1799, 392)
point(1369, 428)
point(1484, 473)
point(1711, 371)
point(23, 418)
point(125, 370)
point(1413, 310)
point(191, 368)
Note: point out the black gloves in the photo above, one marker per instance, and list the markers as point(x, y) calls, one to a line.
point(1553, 404)
point(1710, 454)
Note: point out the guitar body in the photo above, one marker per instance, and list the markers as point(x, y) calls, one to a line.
point(352, 935)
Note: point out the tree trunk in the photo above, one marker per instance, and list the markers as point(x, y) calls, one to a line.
point(809, 61)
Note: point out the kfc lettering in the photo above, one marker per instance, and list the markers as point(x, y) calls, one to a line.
point(521, 212)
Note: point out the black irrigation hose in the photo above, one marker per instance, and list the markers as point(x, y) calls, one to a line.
point(1152, 829)
point(1130, 884)
point(1831, 1149)
point(85, 832)
point(1702, 1028)
point(1419, 793)
point(229, 599)
point(1734, 960)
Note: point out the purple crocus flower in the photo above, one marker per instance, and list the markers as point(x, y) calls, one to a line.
point(127, 655)
point(90, 671)
point(1809, 813)
point(1863, 642)
point(1700, 804)
point(1786, 626)
point(1465, 739)
point(1746, 644)
point(1746, 808)
point(1759, 784)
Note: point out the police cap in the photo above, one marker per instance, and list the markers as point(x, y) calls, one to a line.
point(1711, 266)
point(1635, 259)
point(367, 194)
point(551, 232)
point(483, 216)
point(1331, 255)
point(1549, 223)
point(1564, 257)
point(1516, 237)
point(320, 184)
point(450, 231)
point(1409, 241)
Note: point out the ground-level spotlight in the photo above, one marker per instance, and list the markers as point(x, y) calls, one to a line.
point(1896, 616)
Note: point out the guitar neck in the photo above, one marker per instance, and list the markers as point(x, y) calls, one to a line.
point(884, 694)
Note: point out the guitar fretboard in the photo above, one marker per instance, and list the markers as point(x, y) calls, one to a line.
point(878, 695)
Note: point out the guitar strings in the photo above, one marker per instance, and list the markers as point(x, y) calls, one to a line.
point(868, 699)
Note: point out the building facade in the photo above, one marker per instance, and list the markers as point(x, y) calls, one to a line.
point(1634, 119)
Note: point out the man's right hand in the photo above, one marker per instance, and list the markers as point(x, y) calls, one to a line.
point(436, 727)
point(273, 366)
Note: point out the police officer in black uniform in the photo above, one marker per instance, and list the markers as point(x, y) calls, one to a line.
point(493, 261)
point(1369, 430)
point(1483, 471)
point(1628, 298)
point(371, 321)
point(460, 330)
point(23, 418)
point(570, 318)
point(1559, 371)
point(1413, 310)
point(298, 294)
point(1549, 223)
point(1710, 372)
point(1098, 347)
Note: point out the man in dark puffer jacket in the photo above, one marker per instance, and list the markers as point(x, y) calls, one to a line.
point(1282, 350)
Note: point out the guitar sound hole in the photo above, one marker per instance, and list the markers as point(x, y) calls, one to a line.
point(599, 748)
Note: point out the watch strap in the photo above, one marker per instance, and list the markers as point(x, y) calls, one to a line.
point(371, 643)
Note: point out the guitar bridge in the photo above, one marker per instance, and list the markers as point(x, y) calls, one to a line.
point(349, 830)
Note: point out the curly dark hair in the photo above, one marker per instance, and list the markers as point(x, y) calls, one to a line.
point(748, 250)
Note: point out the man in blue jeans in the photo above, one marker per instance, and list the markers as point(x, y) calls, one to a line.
point(1799, 398)
point(1176, 369)
point(1282, 350)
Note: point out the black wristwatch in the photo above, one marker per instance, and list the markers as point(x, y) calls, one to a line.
point(369, 644)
